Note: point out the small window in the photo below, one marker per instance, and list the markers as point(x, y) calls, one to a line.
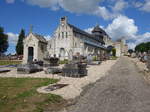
point(62, 34)
point(66, 35)
point(75, 44)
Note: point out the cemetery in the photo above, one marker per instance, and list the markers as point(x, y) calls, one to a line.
point(142, 62)
point(72, 76)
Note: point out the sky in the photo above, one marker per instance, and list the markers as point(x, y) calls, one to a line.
point(119, 18)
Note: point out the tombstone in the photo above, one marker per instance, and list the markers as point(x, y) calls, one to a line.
point(76, 68)
point(53, 61)
point(28, 68)
point(53, 70)
point(40, 63)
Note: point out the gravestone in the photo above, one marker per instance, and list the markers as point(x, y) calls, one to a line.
point(53, 70)
point(76, 68)
point(40, 63)
point(53, 61)
point(28, 68)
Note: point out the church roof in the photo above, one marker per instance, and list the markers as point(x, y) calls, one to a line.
point(98, 29)
point(77, 30)
point(40, 37)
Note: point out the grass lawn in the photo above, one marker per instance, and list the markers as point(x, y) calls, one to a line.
point(9, 62)
point(20, 95)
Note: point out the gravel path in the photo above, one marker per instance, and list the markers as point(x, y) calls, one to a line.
point(122, 90)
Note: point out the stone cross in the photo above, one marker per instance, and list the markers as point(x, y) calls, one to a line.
point(31, 28)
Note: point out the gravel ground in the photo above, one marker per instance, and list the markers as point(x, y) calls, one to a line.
point(75, 85)
point(122, 90)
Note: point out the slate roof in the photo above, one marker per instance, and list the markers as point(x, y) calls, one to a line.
point(77, 30)
point(40, 38)
point(98, 29)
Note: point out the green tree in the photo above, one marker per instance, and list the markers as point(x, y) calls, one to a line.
point(114, 52)
point(19, 46)
point(143, 47)
point(3, 41)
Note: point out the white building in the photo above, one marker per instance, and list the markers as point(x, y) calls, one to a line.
point(35, 47)
point(66, 41)
point(69, 40)
point(121, 47)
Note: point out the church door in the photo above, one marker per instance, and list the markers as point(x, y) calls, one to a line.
point(30, 54)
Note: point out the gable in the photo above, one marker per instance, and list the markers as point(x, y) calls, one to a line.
point(31, 39)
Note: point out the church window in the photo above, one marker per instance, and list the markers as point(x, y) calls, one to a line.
point(62, 34)
point(66, 35)
point(75, 44)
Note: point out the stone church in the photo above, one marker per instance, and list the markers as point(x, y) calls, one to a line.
point(66, 42)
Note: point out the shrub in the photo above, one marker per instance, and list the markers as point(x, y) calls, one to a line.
point(65, 61)
point(114, 52)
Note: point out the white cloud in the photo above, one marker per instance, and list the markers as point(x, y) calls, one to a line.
point(140, 39)
point(80, 6)
point(91, 7)
point(122, 26)
point(12, 38)
point(89, 30)
point(146, 6)
point(104, 13)
point(10, 1)
point(131, 45)
point(143, 38)
point(137, 4)
point(143, 6)
point(120, 5)
point(53, 4)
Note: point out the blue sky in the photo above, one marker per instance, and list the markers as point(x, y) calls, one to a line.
point(119, 18)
